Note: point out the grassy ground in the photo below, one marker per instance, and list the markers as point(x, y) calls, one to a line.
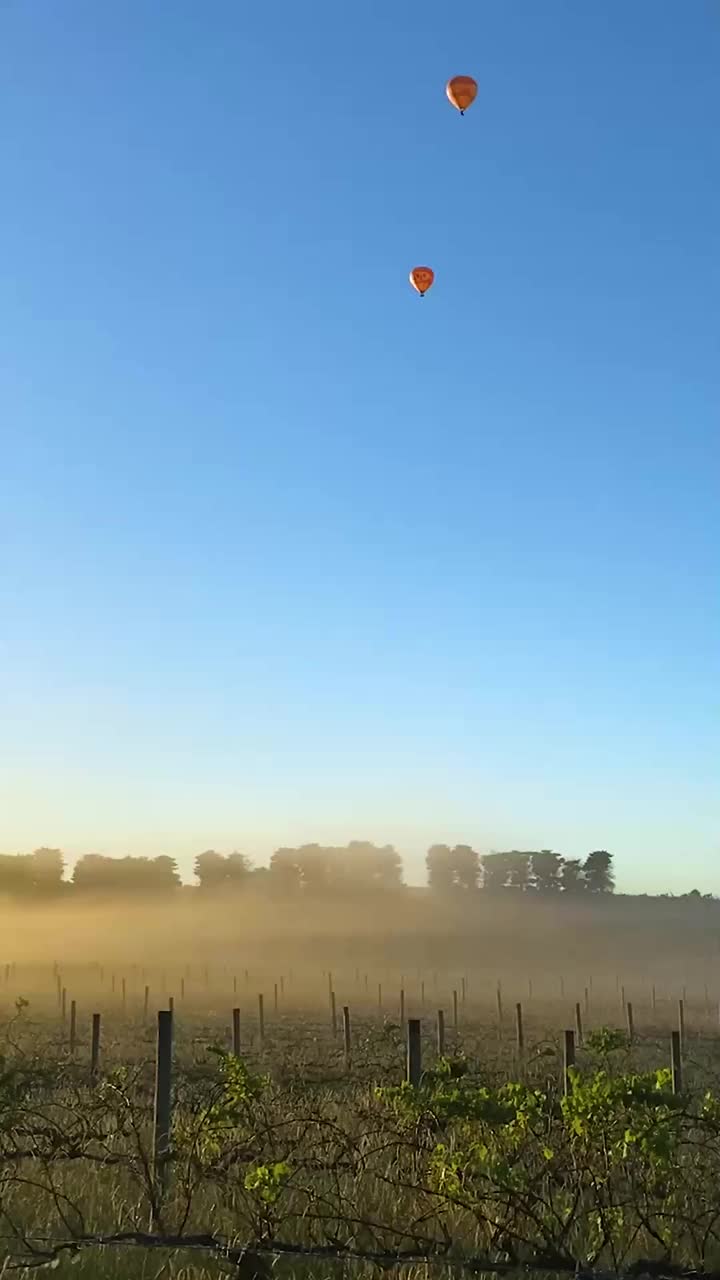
point(292, 1145)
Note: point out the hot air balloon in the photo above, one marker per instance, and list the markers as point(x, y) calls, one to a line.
point(462, 92)
point(421, 278)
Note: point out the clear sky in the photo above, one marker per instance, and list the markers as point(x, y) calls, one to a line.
point(288, 553)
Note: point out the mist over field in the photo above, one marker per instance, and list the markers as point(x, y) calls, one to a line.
point(402, 932)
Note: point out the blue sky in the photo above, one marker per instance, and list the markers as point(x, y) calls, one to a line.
point(288, 553)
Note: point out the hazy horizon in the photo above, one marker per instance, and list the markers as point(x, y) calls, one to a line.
point(289, 555)
point(413, 860)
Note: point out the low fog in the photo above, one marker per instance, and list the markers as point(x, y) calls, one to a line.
point(376, 937)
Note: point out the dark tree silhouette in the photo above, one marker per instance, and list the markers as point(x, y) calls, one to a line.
point(466, 867)
point(337, 871)
point(284, 871)
point(210, 869)
point(216, 871)
point(439, 868)
point(47, 870)
point(125, 875)
point(598, 872)
point(495, 872)
point(369, 866)
point(238, 868)
point(35, 874)
point(519, 870)
point(571, 876)
point(546, 867)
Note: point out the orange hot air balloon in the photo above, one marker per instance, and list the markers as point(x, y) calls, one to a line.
point(462, 92)
point(421, 278)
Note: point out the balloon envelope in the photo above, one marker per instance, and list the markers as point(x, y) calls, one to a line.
point(462, 92)
point(421, 278)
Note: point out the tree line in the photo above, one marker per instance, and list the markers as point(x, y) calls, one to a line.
point(537, 871)
point(313, 870)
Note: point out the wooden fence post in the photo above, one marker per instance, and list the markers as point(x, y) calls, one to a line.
point(463, 990)
point(654, 998)
point(519, 1031)
point(676, 1061)
point(455, 1012)
point(95, 1049)
point(630, 1021)
point(73, 1026)
point(171, 1004)
point(587, 1002)
point(275, 998)
point(379, 995)
point(333, 1013)
point(568, 1058)
point(182, 988)
point(414, 1052)
point(163, 1104)
point(124, 994)
point(402, 1006)
point(441, 1033)
point(236, 1032)
point(146, 1002)
point(346, 1034)
point(499, 1008)
point(235, 984)
point(578, 1023)
point(261, 1021)
point(681, 1022)
point(64, 1004)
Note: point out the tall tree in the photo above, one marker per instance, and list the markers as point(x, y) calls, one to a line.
point(495, 872)
point(571, 876)
point(210, 869)
point(388, 873)
point(465, 867)
point(284, 873)
point(545, 868)
point(519, 869)
point(439, 868)
point(598, 872)
point(237, 868)
point(375, 866)
point(125, 875)
point(314, 862)
point(163, 873)
point(47, 870)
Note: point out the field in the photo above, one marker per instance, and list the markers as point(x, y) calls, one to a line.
point(297, 1149)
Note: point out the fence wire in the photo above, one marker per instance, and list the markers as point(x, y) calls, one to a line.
point(254, 1261)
